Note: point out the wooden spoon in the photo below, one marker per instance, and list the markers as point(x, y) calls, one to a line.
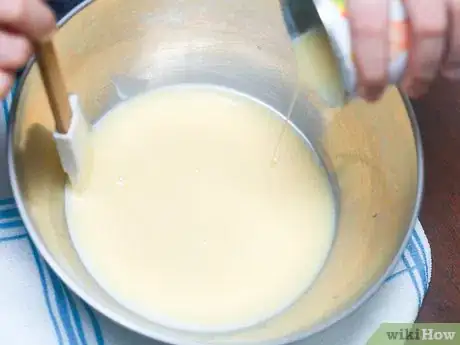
point(54, 85)
point(72, 129)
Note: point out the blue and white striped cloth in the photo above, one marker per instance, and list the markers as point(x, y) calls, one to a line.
point(36, 307)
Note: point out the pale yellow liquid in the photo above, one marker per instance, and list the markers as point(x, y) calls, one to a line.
point(186, 221)
point(318, 73)
point(318, 69)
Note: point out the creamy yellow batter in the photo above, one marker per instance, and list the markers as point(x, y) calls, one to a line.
point(318, 69)
point(186, 219)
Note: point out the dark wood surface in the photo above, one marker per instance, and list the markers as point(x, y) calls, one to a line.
point(438, 114)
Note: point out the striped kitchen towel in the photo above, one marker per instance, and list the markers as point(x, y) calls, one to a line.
point(36, 308)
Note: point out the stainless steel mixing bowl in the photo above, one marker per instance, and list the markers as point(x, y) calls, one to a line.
point(372, 151)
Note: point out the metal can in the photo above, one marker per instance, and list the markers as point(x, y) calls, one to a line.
point(303, 15)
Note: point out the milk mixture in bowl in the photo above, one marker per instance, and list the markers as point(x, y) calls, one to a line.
point(188, 221)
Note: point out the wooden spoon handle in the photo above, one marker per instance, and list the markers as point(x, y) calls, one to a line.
point(54, 85)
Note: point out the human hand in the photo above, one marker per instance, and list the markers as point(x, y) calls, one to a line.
point(21, 22)
point(434, 44)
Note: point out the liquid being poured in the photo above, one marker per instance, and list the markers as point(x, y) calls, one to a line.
point(284, 128)
point(318, 73)
point(318, 70)
point(185, 222)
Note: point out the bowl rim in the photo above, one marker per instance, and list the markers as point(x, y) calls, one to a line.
point(133, 326)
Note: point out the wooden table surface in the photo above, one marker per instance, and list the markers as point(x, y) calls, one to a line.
point(438, 114)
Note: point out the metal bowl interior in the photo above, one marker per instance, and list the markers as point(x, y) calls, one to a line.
point(372, 151)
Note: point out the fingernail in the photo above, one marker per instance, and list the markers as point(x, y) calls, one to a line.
point(370, 94)
point(451, 72)
point(412, 94)
point(406, 84)
point(419, 88)
point(408, 89)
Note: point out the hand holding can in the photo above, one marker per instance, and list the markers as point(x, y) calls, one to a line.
point(381, 42)
point(430, 32)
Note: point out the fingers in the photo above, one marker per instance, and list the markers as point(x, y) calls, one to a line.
point(369, 21)
point(6, 81)
point(428, 27)
point(15, 50)
point(20, 22)
point(32, 18)
point(451, 64)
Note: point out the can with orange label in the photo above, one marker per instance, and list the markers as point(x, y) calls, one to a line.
point(301, 16)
